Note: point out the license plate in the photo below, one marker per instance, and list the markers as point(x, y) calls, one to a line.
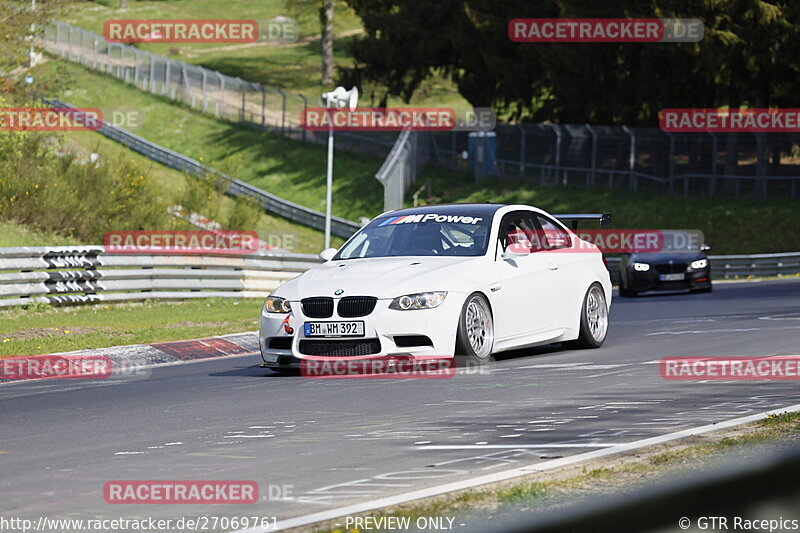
point(353, 328)
point(672, 277)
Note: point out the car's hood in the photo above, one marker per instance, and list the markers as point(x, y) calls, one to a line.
point(383, 277)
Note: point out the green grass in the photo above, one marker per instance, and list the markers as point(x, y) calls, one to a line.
point(293, 67)
point(43, 329)
point(12, 234)
point(296, 171)
point(730, 226)
point(275, 230)
point(291, 169)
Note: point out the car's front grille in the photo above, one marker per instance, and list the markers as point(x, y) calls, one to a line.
point(343, 348)
point(673, 268)
point(321, 307)
point(355, 306)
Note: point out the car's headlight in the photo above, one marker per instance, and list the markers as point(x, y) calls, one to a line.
point(420, 300)
point(276, 304)
point(700, 263)
point(641, 267)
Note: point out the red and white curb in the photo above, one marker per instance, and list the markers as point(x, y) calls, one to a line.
point(127, 359)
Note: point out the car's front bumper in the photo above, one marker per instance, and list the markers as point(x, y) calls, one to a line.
point(390, 328)
point(649, 281)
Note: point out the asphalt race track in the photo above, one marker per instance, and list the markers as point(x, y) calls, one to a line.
point(337, 442)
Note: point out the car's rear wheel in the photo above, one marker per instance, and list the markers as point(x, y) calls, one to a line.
point(475, 337)
point(594, 319)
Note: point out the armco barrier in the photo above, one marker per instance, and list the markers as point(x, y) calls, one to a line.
point(64, 275)
point(738, 266)
point(232, 187)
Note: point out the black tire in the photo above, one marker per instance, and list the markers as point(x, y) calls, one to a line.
point(466, 353)
point(586, 338)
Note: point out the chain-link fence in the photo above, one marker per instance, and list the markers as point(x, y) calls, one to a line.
point(753, 165)
point(209, 91)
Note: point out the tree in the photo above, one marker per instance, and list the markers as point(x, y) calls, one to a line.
point(323, 10)
point(16, 19)
point(748, 57)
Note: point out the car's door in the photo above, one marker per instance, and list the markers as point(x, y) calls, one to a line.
point(565, 264)
point(528, 283)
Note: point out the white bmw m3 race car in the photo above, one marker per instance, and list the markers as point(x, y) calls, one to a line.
point(465, 280)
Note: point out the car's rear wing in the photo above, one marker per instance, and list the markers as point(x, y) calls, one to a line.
point(603, 218)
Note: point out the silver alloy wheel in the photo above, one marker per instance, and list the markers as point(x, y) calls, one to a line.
point(597, 313)
point(480, 329)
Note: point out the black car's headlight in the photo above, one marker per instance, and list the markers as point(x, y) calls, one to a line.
point(699, 264)
point(276, 304)
point(420, 300)
point(641, 267)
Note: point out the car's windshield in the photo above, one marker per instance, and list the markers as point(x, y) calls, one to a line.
point(421, 234)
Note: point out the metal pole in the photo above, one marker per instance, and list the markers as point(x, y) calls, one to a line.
point(328, 191)
point(632, 185)
point(592, 172)
point(283, 111)
point(204, 87)
point(712, 182)
point(671, 165)
point(152, 73)
point(242, 112)
point(558, 150)
point(166, 77)
point(305, 106)
point(521, 150)
point(263, 106)
point(94, 57)
point(136, 68)
point(221, 99)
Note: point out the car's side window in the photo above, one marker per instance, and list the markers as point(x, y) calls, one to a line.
point(552, 236)
point(519, 230)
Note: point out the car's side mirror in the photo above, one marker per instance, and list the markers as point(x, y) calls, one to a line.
point(705, 248)
point(327, 254)
point(515, 250)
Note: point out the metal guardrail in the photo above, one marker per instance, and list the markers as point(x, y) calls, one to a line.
point(233, 187)
point(65, 275)
point(738, 266)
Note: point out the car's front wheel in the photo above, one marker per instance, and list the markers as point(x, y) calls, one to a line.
point(475, 338)
point(594, 319)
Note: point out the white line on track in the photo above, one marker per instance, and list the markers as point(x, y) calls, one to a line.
point(509, 474)
point(512, 446)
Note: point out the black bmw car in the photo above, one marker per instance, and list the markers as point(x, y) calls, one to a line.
point(665, 271)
